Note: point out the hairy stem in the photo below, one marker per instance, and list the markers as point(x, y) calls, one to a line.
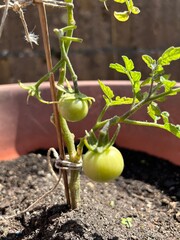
point(74, 184)
point(74, 187)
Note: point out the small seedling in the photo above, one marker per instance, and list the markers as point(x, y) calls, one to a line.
point(127, 222)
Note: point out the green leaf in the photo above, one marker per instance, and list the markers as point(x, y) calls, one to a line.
point(122, 16)
point(130, 5)
point(141, 95)
point(174, 129)
point(135, 10)
point(151, 63)
point(154, 111)
point(127, 222)
point(103, 139)
point(106, 90)
point(118, 67)
point(119, 101)
point(128, 63)
point(171, 54)
point(136, 76)
point(132, 8)
point(168, 84)
point(91, 140)
point(165, 117)
point(107, 100)
point(120, 1)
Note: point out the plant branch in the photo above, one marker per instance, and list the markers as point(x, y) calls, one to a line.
point(143, 123)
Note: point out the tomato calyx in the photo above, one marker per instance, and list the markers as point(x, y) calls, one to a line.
point(77, 96)
point(102, 143)
point(71, 94)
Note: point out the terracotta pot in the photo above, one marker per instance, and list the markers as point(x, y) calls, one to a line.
point(26, 127)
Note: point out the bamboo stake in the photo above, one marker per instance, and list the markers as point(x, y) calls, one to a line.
point(45, 34)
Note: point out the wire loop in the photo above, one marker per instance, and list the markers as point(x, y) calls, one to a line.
point(67, 165)
point(64, 164)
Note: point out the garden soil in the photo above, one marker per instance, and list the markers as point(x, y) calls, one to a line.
point(142, 204)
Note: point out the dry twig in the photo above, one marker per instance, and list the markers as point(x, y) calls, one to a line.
point(18, 6)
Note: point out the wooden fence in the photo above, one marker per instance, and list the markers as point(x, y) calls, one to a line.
point(105, 40)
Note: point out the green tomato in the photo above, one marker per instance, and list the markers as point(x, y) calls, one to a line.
point(73, 109)
point(105, 166)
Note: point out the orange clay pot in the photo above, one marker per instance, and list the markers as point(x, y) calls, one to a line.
point(26, 127)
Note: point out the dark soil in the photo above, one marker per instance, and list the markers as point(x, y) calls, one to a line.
point(146, 197)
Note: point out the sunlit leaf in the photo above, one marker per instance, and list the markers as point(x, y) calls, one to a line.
point(119, 101)
point(120, 1)
point(135, 10)
point(127, 222)
point(122, 16)
point(165, 116)
point(174, 129)
point(154, 111)
point(151, 63)
point(168, 84)
point(106, 90)
point(118, 67)
point(136, 76)
point(128, 63)
point(171, 54)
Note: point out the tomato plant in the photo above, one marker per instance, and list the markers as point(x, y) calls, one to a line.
point(103, 166)
point(102, 162)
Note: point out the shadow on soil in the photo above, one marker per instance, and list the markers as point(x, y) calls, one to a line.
point(41, 226)
point(154, 171)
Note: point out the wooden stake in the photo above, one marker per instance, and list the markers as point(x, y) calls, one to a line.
point(45, 34)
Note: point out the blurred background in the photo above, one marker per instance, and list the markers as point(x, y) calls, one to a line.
point(105, 40)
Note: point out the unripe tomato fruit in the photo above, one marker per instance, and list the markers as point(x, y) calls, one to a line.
point(105, 166)
point(73, 109)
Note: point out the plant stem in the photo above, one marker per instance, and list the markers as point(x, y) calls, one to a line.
point(45, 33)
point(74, 187)
point(74, 184)
point(68, 139)
point(47, 75)
point(143, 123)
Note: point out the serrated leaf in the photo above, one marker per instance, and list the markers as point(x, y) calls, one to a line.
point(165, 116)
point(106, 90)
point(128, 63)
point(159, 70)
point(168, 84)
point(135, 10)
point(118, 67)
point(171, 54)
point(136, 76)
point(154, 111)
point(174, 129)
point(119, 101)
point(107, 100)
point(122, 16)
point(151, 63)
